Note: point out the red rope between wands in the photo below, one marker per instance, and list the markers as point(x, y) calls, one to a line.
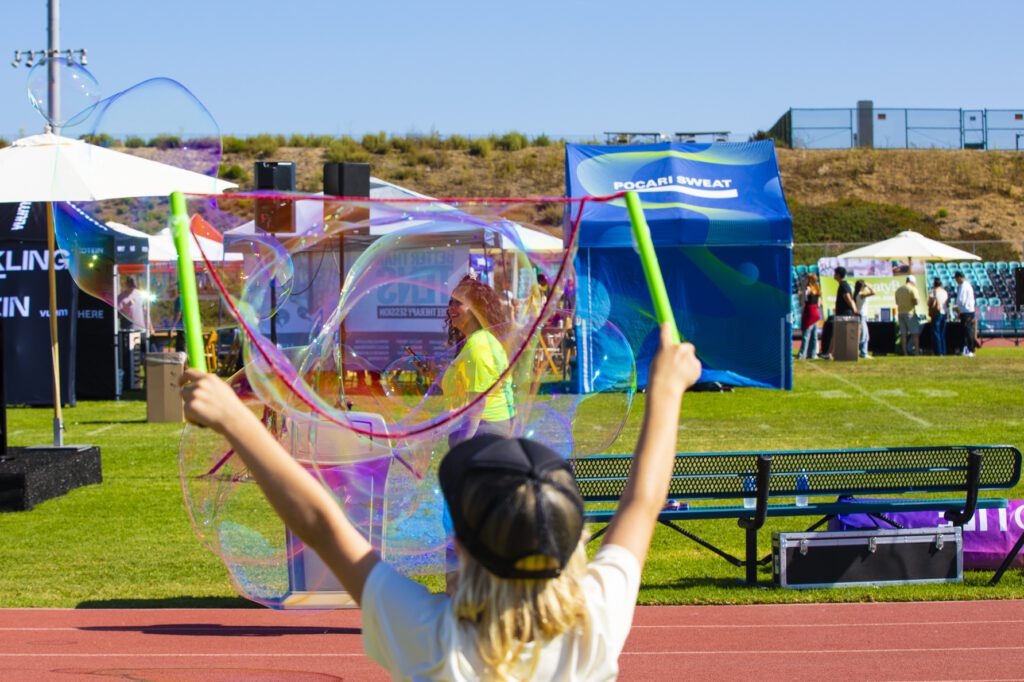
point(410, 200)
point(315, 408)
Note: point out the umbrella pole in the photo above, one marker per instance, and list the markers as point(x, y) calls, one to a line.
point(58, 418)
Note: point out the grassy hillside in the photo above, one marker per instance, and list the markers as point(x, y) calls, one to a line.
point(836, 195)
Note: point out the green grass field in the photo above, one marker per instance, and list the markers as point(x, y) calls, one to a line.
point(128, 542)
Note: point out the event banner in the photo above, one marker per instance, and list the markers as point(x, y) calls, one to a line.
point(24, 307)
point(880, 276)
point(723, 236)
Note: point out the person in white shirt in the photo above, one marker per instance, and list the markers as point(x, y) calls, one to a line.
point(527, 604)
point(938, 310)
point(862, 291)
point(965, 311)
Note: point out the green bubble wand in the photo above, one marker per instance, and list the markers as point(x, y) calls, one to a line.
point(649, 261)
point(187, 289)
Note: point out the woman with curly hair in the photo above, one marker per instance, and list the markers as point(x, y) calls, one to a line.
point(475, 318)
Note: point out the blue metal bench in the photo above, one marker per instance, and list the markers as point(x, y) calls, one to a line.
point(764, 476)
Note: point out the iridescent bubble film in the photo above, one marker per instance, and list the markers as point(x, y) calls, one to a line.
point(373, 336)
point(119, 245)
point(79, 91)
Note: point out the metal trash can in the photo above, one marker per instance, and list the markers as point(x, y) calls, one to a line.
point(846, 337)
point(163, 394)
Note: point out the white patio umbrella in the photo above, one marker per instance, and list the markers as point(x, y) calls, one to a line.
point(910, 244)
point(49, 168)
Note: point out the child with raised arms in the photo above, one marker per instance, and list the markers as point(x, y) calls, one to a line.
point(527, 604)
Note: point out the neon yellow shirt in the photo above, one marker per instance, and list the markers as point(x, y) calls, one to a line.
point(474, 370)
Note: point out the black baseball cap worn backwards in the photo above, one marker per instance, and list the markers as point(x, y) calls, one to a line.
point(507, 503)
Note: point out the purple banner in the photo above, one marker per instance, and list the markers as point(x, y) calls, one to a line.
point(988, 536)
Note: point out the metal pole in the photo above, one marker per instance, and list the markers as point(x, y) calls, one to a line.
point(117, 338)
point(53, 49)
point(58, 418)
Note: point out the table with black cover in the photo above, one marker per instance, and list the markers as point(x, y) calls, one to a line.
point(956, 338)
point(881, 337)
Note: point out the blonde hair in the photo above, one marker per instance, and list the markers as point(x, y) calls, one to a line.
point(506, 614)
point(812, 284)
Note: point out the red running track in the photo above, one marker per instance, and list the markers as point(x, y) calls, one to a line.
point(904, 641)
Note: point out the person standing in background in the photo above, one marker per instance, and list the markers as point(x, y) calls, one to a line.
point(938, 309)
point(845, 305)
point(906, 306)
point(861, 293)
point(810, 315)
point(965, 311)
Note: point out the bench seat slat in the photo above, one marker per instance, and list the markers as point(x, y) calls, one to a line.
point(812, 509)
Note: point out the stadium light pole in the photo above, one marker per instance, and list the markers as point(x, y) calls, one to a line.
point(52, 53)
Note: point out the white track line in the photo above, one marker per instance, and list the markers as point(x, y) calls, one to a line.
point(101, 429)
point(684, 626)
point(827, 652)
point(240, 654)
point(955, 623)
point(883, 403)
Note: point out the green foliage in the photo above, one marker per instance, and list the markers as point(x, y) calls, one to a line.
point(101, 140)
point(165, 142)
point(134, 142)
point(456, 143)
point(855, 220)
point(512, 142)
point(942, 213)
point(480, 147)
point(542, 140)
point(234, 145)
point(233, 172)
point(264, 146)
point(345, 149)
point(376, 143)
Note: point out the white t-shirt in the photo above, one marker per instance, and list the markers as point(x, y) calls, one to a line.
point(415, 635)
point(941, 300)
point(862, 306)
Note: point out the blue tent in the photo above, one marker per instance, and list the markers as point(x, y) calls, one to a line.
point(724, 239)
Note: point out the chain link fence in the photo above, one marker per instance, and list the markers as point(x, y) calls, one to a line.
point(898, 128)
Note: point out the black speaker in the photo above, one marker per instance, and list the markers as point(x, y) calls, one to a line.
point(275, 216)
point(275, 175)
point(1018, 294)
point(347, 179)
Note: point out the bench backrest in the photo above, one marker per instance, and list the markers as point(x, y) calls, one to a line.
point(710, 475)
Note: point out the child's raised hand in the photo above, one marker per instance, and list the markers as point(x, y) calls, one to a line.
point(209, 401)
point(675, 366)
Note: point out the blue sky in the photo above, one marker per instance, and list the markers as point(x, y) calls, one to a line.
point(562, 68)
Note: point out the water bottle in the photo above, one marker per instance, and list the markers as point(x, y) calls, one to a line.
point(802, 486)
point(749, 487)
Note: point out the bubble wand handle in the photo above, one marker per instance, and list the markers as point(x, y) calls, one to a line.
point(649, 261)
point(187, 283)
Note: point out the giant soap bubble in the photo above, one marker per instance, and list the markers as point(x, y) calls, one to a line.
point(120, 249)
point(406, 324)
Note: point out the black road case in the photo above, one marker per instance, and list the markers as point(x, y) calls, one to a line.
point(877, 556)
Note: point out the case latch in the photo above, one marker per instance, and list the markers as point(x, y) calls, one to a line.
point(872, 545)
point(803, 546)
point(939, 541)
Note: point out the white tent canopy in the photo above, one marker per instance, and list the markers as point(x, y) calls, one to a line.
point(910, 244)
point(161, 245)
point(309, 214)
point(49, 167)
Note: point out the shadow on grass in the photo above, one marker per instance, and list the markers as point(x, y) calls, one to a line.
point(737, 583)
point(171, 603)
point(219, 630)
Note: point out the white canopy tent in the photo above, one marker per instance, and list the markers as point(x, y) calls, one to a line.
point(910, 245)
point(309, 214)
